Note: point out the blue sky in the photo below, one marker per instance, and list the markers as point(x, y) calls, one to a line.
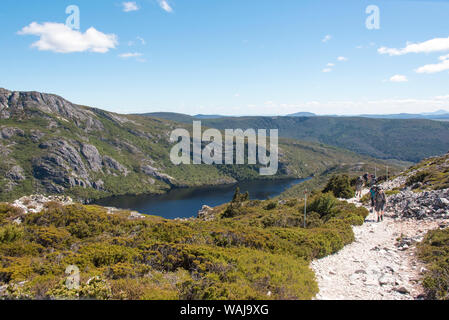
point(234, 57)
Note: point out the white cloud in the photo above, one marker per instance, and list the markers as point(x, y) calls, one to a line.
point(330, 64)
point(130, 6)
point(434, 68)
point(326, 38)
point(433, 45)
point(130, 55)
point(398, 78)
point(327, 70)
point(58, 37)
point(165, 6)
point(342, 59)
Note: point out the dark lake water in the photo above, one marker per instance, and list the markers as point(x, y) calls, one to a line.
point(185, 203)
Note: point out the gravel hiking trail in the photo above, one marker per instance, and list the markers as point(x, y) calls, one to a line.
point(380, 264)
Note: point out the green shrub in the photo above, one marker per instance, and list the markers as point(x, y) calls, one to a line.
point(340, 186)
point(52, 237)
point(434, 251)
point(234, 207)
point(8, 211)
point(10, 233)
point(271, 205)
point(323, 204)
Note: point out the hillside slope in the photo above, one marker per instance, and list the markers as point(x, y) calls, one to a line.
point(402, 139)
point(49, 145)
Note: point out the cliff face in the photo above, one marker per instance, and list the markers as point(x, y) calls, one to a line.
point(51, 145)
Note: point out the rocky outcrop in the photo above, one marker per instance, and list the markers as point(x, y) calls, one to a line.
point(36, 203)
point(154, 172)
point(424, 205)
point(92, 156)
point(14, 103)
point(64, 151)
point(61, 165)
point(206, 213)
point(111, 163)
point(8, 133)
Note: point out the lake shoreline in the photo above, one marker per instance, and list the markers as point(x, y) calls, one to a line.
point(186, 202)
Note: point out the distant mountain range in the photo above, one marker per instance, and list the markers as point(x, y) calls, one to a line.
point(407, 138)
point(437, 115)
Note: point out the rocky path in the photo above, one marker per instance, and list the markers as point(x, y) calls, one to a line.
point(376, 265)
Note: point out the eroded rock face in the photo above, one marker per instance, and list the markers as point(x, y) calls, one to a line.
point(115, 165)
point(19, 103)
point(154, 172)
point(92, 156)
point(61, 165)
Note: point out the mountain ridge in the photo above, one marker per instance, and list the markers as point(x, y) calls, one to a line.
point(402, 139)
point(50, 145)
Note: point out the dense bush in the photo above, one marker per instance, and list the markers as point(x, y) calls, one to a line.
point(323, 204)
point(10, 233)
point(235, 205)
point(340, 186)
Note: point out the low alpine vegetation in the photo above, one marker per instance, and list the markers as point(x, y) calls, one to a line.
point(253, 250)
point(434, 250)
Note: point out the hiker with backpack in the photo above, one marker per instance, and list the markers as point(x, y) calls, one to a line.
point(380, 201)
point(366, 177)
point(372, 192)
point(358, 187)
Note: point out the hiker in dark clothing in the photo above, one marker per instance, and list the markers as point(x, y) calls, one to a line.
point(366, 178)
point(358, 187)
point(373, 180)
point(372, 193)
point(380, 200)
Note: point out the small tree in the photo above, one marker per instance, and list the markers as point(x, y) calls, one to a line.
point(340, 186)
point(324, 205)
point(234, 206)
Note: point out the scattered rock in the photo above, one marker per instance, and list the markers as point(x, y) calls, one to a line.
point(401, 290)
point(36, 203)
point(206, 213)
point(424, 205)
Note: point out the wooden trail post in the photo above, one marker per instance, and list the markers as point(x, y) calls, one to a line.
point(305, 208)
